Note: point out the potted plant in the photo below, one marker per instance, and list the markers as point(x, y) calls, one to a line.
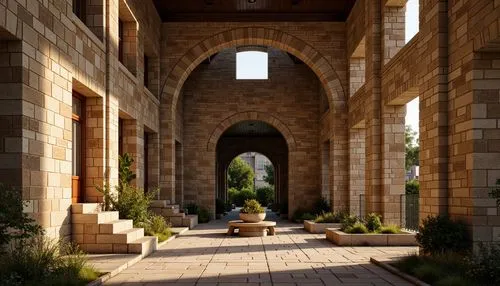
point(252, 211)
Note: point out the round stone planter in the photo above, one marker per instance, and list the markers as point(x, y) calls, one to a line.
point(252, 217)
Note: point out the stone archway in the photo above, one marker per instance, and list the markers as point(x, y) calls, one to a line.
point(236, 140)
point(321, 66)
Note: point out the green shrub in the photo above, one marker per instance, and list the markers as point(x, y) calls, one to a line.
point(158, 226)
point(331, 217)
point(125, 174)
point(252, 207)
point(439, 234)
point(228, 206)
point(244, 195)
point(265, 195)
point(220, 206)
point(372, 222)
point(390, 229)
point(40, 261)
point(203, 215)
point(358, 227)
point(349, 222)
point(14, 223)
point(192, 208)
point(484, 266)
point(133, 203)
point(308, 216)
point(321, 206)
point(412, 187)
point(428, 273)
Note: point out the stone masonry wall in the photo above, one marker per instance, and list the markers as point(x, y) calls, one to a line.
point(212, 94)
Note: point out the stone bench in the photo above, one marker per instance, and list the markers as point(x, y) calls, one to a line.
point(251, 229)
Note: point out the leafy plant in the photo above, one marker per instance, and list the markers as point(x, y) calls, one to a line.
point(240, 174)
point(390, 229)
point(14, 223)
point(358, 227)
point(439, 234)
point(40, 261)
point(412, 187)
point(265, 195)
point(483, 266)
point(321, 206)
point(298, 214)
point(125, 173)
point(349, 222)
point(331, 217)
point(269, 176)
point(158, 226)
point(308, 216)
point(252, 207)
point(412, 148)
point(372, 222)
point(133, 203)
point(239, 197)
point(203, 215)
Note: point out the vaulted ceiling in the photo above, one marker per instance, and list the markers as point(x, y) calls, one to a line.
point(253, 10)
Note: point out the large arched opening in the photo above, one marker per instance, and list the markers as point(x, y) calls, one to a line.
point(253, 136)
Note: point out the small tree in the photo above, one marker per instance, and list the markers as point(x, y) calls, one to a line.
point(412, 148)
point(125, 173)
point(240, 175)
point(14, 222)
point(269, 176)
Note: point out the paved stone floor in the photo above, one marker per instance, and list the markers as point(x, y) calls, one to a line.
point(206, 256)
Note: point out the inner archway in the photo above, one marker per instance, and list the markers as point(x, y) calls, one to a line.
point(253, 136)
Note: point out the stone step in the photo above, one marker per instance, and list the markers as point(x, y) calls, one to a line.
point(124, 237)
point(97, 218)
point(171, 212)
point(85, 208)
point(144, 246)
point(190, 221)
point(159, 203)
point(116, 226)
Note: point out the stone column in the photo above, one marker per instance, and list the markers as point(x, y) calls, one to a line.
point(133, 144)
point(356, 169)
point(95, 146)
point(433, 94)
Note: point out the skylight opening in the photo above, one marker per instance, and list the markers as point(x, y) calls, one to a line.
point(252, 65)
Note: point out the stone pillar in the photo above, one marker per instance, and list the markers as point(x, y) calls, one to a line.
point(325, 171)
point(373, 180)
point(133, 144)
point(95, 145)
point(153, 160)
point(356, 169)
point(167, 153)
point(179, 175)
point(433, 96)
point(339, 161)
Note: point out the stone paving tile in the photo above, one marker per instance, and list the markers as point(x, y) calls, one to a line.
point(206, 256)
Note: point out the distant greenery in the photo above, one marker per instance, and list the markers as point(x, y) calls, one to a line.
point(269, 176)
point(412, 148)
point(238, 197)
point(240, 175)
point(265, 195)
point(412, 187)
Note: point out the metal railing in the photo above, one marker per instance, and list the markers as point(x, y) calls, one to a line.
point(409, 210)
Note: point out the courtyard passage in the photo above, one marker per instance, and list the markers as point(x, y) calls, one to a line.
point(206, 256)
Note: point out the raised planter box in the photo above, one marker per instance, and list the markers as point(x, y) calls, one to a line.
point(376, 239)
point(314, 227)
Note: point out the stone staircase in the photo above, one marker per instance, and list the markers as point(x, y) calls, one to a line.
point(97, 231)
point(173, 214)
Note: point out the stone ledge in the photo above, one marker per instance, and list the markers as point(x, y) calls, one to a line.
point(341, 238)
point(314, 227)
